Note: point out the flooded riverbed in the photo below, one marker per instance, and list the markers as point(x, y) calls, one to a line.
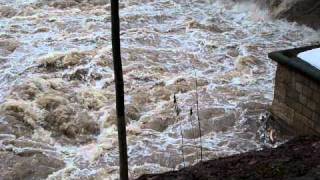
point(57, 88)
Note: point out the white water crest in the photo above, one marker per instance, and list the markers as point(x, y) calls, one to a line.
point(63, 55)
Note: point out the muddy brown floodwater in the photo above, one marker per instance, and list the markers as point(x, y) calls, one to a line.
point(57, 89)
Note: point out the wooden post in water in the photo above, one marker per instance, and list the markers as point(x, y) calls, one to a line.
point(122, 136)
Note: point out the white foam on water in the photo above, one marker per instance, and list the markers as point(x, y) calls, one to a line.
point(166, 45)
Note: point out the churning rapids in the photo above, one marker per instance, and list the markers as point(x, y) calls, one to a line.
point(57, 89)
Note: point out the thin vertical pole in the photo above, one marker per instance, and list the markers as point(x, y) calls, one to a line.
point(198, 116)
point(122, 136)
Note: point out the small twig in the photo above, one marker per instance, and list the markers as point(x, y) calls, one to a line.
point(177, 110)
point(199, 124)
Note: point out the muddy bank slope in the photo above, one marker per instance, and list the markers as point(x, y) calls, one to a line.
point(297, 159)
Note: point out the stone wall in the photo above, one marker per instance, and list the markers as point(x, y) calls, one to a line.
point(296, 101)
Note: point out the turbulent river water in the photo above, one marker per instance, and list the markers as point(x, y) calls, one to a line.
point(56, 80)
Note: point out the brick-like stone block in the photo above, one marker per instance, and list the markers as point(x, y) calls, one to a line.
point(316, 97)
point(307, 112)
point(299, 87)
point(282, 111)
point(292, 94)
point(312, 105)
point(303, 99)
point(307, 91)
point(297, 107)
point(280, 91)
point(314, 85)
point(299, 77)
point(315, 117)
point(302, 120)
point(284, 75)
